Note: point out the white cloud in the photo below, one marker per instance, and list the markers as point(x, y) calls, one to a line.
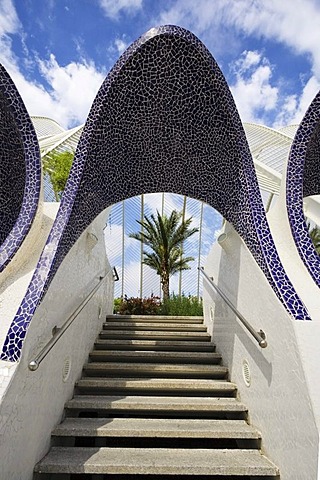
point(253, 91)
point(113, 235)
point(248, 60)
point(121, 45)
point(294, 23)
point(112, 8)
point(9, 21)
point(73, 88)
point(294, 106)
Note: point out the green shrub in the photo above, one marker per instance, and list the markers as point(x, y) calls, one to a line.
point(175, 305)
point(182, 305)
point(117, 304)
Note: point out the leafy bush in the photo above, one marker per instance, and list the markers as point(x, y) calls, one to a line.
point(182, 305)
point(139, 306)
point(174, 305)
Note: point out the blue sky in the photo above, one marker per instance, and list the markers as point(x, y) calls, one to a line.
point(59, 51)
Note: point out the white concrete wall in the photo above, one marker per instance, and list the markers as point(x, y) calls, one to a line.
point(279, 398)
point(30, 242)
point(311, 208)
point(291, 260)
point(33, 402)
point(307, 333)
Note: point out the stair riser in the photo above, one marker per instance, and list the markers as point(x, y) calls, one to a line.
point(158, 413)
point(163, 346)
point(151, 391)
point(134, 335)
point(155, 326)
point(154, 318)
point(119, 372)
point(154, 403)
point(155, 442)
point(152, 357)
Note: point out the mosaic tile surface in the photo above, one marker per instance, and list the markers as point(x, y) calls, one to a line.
point(20, 170)
point(163, 120)
point(302, 180)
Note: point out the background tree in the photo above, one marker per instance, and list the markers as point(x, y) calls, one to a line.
point(57, 166)
point(165, 236)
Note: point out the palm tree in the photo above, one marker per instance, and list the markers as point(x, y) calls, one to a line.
point(165, 236)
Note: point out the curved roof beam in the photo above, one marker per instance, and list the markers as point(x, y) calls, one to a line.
point(67, 140)
point(46, 127)
point(267, 145)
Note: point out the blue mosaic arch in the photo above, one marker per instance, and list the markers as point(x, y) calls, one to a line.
point(163, 120)
point(20, 170)
point(303, 180)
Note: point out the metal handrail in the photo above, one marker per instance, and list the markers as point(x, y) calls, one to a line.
point(260, 336)
point(57, 332)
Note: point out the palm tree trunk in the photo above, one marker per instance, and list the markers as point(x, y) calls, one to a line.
point(165, 287)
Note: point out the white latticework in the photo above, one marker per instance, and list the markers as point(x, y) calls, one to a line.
point(46, 127)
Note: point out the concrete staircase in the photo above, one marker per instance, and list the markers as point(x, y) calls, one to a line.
point(154, 401)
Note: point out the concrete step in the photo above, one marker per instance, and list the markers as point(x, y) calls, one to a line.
point(153, 356)
point(154, 402)
point(158, 345)
point(154, 318)
point(196, 406)
point(169, 327)
point(162, 386)
point(163, 461)
point(156, 428)
point(164, 370)
point(156, 335)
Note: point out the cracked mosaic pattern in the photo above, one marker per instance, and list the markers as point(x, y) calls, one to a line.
point(20, 170)
point(302, 180)
point(163, 120)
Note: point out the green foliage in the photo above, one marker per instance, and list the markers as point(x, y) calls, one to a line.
point(117, 302)
point(139, 306)
point(182, 305)
point(57, 165)
point(165, 236)
point(314, 233)
point(315, 237)
point(174, 305)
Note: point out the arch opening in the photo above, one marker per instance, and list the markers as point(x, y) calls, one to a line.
point(126, 254)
